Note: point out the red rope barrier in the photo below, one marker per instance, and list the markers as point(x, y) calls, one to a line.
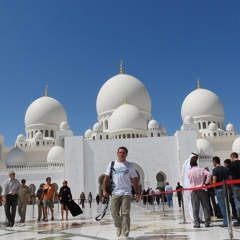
point(166, 192)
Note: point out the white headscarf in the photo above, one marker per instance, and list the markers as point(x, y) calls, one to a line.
point(186, 184)
point(185, 168)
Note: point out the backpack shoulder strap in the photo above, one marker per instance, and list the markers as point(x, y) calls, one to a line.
point(101, 216)
point(111, 168)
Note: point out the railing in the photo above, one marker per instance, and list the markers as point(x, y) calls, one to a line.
point(53, 166)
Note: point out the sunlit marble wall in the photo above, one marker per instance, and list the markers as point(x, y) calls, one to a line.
point(86, 161)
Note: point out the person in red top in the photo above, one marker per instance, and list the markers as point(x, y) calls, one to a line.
point(199, 177)
point(48, 198)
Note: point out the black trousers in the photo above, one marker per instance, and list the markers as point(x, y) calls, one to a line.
point(179, 199)
point(82, 202)
point(10, 207)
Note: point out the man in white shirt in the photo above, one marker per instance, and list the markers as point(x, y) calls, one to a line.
point(123, 176)
point(11, 188)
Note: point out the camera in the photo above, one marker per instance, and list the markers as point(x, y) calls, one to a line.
point(105, 200)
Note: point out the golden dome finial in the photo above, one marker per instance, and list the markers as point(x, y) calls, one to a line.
point(46, 91)
point(198, 83)
point(125, 100)
point(121, 66)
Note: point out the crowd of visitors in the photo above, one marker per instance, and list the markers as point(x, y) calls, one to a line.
point(202, 202)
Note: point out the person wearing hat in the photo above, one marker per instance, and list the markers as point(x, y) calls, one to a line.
point(11, 188)
point(23, 196)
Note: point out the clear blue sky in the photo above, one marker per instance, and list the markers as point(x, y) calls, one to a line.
point(74, 47)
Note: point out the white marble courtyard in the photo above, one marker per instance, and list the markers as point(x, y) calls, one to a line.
point(151, 224)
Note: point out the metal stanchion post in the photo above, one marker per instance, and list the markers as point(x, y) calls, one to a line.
point(153, 203)
point(163, 203)
point(183, 209)
point(147, 203)
point(229, 218)
point(33, 208)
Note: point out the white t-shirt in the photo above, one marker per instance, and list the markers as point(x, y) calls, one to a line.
point(122, 175)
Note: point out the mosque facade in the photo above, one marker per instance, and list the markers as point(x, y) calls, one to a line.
point(49, 147)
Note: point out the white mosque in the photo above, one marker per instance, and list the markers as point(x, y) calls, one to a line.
point(49, 147)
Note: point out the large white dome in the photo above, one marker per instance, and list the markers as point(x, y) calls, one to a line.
point(45, 110)
point(204, 147)
point(64, 126)
point(20, 138)
point(97, 127)
point(125, 117)
point(16, 157)
point(55, 155)
point(236, 145)
point(188, 119)
point(113, 92)
point(88, 133)
point(202, 102)
point(212, 126)
point(153, 125)
point(230, 127)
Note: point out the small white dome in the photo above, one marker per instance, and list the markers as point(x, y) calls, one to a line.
point(55, 155)
point(153, 124)
point(45, 110)
point(64, 126)
point(204, 147)
point(188, 119)
point(38, 135)
point(212, 126)
point(16, 157)
point(88, 133)
point(20, 138)
point(112, 94)
point(230, 127)
point(125, 117)
point(202, 102)
point(162, 129)
point(236, 145)
point(97, 127)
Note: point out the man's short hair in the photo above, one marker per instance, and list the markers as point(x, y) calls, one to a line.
point(23, 181)
point(124, 148)
point(11, 172)
point(234, 155)
point(216, 159)
point(227, 161)
point(193, 162)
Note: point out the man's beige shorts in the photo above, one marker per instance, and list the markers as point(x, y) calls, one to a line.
point(48, 202)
